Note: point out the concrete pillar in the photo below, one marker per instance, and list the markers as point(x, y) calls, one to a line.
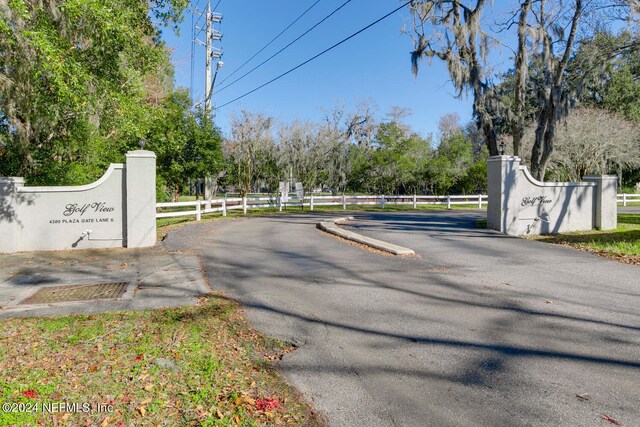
point(9, 223)
point(140, 199)
point(208, 192)
point(501, 175)
point(605, 214)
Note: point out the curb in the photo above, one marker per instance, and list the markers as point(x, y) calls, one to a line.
point(330, 226)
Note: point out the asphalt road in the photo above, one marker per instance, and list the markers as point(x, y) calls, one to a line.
point(629, 209)
point(479, 329)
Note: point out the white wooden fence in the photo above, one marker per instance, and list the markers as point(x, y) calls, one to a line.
point(200, 207)
point(625, 199)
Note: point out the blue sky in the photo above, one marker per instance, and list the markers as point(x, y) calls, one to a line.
point(374, 65)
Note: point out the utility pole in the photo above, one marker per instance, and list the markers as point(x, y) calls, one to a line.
point(211, 52)
point(207, 64)
point(212, 35)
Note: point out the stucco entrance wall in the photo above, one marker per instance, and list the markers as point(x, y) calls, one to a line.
point(519, 204)
point(118, 210)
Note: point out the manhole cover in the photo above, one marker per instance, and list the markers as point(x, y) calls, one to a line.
point(77, 293)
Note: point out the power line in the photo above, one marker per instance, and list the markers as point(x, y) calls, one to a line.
point(272, 40)
point(281, 50)
point(194, 10)
point(316, 56)
point(201, 16)
point(197, 4)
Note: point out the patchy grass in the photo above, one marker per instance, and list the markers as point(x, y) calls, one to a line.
point(481, 223)
point(201, 365)
point(622, 244)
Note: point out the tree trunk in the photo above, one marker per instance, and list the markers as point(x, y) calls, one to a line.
point(549, 139)
point(176, 193)
point(484, 121)
point(536, 151)
point(518, 123)
point(491, 138)
point(553, 101)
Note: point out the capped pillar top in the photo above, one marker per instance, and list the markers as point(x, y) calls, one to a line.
point(142, 153)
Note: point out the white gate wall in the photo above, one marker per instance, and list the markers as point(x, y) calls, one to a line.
point(118, 210)
point(519, 204)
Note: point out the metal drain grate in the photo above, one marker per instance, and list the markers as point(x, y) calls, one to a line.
point(68, 293)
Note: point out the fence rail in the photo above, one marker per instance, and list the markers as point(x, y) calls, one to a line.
point(201, 207)
point(625, 199)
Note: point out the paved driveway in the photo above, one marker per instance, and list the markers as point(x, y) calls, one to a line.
point(477, 330)
point(629, 209)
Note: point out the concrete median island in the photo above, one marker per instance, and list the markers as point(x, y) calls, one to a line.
point(330, 226)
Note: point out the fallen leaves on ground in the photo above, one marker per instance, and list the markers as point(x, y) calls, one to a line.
point(267, 404)
point(611, 420)
point(201, 365)
point(29, 394)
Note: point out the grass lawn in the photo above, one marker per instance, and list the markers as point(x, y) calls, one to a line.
point(201, 365)
point(622, 244)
